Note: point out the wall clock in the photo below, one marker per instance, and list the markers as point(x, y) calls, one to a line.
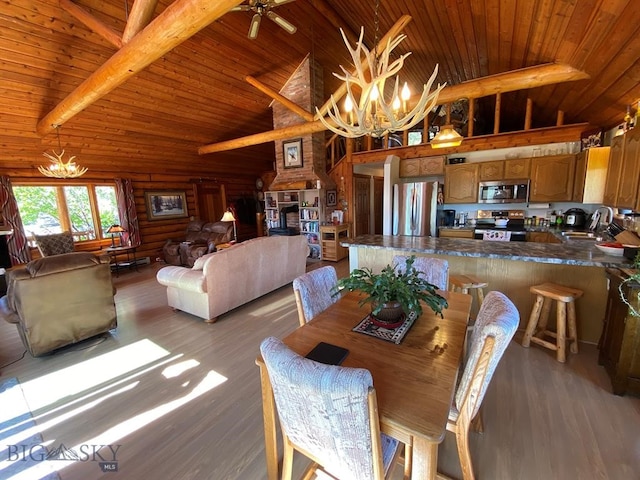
point(259, 184)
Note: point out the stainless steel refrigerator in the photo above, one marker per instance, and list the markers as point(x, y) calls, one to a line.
point(415, 209)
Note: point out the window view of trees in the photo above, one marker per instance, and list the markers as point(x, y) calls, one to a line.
point(87, 211)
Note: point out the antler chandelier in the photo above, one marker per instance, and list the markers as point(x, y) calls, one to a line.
point(59, 168)
point(371, 113)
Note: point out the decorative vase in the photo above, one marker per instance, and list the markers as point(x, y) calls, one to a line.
point(391, 315)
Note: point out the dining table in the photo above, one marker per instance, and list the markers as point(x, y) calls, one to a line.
point(415, 380)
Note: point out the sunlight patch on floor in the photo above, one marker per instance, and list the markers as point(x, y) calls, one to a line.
point(78, 378)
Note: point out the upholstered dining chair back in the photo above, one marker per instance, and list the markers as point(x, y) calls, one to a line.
point(433, 270)
point(495, 326)
point(313, 292)
point(326, 412)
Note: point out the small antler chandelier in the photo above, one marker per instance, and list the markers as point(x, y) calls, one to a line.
point(59, 168)
point(370, 113)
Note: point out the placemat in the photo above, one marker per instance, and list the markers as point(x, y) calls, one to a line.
point(394, 335)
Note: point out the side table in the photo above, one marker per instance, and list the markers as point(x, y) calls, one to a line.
point(131, 260)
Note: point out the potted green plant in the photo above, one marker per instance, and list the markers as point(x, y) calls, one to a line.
point(393, 292)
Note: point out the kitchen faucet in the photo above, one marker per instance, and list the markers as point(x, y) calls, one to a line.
point(597, 215)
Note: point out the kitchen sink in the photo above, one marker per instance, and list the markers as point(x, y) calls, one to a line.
point(581, 236)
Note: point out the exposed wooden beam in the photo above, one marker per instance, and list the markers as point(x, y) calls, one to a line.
point(139, 17)
point(181, 20)
point(92, 23)
point(295, 108)
point(524, 78)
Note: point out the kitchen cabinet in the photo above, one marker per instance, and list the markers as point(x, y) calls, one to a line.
point(422, 167)
point(461, 183)
point(517, 168)
point(629, 171)
point(620, 341)
point(455, 233)
point(591, 175)
point(491, 170)
point(616, 155)
point(552, 178)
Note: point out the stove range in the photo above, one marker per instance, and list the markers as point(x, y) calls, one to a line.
point(486, 228)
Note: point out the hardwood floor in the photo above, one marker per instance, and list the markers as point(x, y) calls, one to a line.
point(182, 398)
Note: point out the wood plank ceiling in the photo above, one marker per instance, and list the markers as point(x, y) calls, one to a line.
point(197, 93)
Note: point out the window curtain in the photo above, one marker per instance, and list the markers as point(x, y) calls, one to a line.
point(17, 241)
point(127, 210)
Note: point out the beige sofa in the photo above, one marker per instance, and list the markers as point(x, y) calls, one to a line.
point(59, 300)
point(224, 280)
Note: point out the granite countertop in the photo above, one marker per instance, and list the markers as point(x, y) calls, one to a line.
point(580, 253)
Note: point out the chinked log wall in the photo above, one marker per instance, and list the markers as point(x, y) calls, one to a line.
point(153, 233)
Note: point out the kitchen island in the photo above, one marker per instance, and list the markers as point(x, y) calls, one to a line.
point(509, 267)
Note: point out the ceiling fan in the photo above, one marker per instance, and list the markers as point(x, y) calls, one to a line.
point(263, 7)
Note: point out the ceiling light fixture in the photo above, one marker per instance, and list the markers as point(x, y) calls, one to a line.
point(59, 168)
point(446, 137)
point(368, 112)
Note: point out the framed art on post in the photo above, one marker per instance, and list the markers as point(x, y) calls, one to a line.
point(332, 198)
point(292, 153)
point(166, 204)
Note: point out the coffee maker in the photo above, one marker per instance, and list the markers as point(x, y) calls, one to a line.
point(446, 218)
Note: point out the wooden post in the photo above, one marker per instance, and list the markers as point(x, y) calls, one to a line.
point(560, 120)
point(496, 119)
point(470, 118)
point(527, 115)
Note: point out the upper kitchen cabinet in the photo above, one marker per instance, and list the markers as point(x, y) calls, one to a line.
point(422, 167)
point(461, 183)
point(491, 170)
point(628, 184)
point(552, 178)
point(616, 155)
point(517, 168)
point(591, 175)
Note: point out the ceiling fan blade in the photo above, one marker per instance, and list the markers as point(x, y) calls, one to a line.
point(255, 25)
point(241, 8)
point(274, 3)
point(285, 24)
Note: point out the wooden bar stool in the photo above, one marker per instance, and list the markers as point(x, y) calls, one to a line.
point(464, 283)
point(566, 311)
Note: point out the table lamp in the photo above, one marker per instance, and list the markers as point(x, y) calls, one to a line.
point(228, 217)
point(113, 229)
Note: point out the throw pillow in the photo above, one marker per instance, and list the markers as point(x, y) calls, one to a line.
point(55, 244)
point(200, 261)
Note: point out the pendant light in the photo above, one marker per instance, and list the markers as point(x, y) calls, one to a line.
point(58, 167)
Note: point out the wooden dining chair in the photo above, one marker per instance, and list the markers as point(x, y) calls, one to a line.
point(329, 414)
point(313, 292)
point(433, 270)
point(495, 326)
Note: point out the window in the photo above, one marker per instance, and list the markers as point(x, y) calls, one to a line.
point(86, 210)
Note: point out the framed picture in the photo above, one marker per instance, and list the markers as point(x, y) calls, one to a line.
point(166, 204)
point(332, 198)
point(292, 153)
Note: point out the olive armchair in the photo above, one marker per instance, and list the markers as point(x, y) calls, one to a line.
point(59, 300)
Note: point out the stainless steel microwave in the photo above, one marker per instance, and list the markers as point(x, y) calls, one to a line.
point(503, 191)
